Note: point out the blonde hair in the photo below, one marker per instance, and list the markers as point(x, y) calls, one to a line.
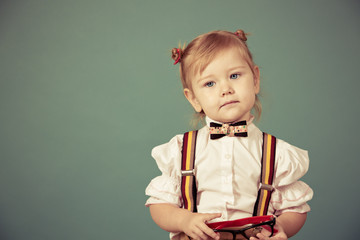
point(198, 54)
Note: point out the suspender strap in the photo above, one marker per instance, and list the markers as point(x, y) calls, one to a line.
point(266, 177)
point(188, 182)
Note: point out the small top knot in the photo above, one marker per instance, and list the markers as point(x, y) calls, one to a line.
point(176, 54)
point(241, 34)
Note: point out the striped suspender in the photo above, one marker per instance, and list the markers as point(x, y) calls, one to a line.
point(266, 177)
point(188, 182)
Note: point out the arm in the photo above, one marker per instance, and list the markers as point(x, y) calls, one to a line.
point(291, 222)
point(171, 218)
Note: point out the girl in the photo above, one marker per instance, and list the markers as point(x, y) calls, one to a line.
point(222, 83)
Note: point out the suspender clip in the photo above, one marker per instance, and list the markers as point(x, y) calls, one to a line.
point(267, 187)
point(187, 172)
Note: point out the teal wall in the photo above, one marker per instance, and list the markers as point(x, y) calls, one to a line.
point(87, 88)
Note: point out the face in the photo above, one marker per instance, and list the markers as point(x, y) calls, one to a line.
point(226, 89)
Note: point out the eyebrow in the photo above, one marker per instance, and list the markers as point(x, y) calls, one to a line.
point(237, 67)
point(204, 78)
point(229, 70)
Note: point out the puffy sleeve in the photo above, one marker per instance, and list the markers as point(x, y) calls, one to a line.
point(166, 188)
point(290, 194)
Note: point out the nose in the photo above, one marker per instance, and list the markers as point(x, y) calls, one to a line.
point(226, 88)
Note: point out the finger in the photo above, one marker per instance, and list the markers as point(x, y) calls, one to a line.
point(211, 216)
point(209, 232)
point(198, 234)
point(265, 232)
point(201, 235)
point(218, 236)
point(194, 236)
point(261, 236)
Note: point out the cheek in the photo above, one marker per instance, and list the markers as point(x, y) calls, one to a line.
point(249, 97)
point(208, 104)
point(248, 90)
point(205, 103)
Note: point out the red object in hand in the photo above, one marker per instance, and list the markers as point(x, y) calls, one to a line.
point(244, 222)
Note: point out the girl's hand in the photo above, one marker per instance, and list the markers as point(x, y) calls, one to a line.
point(280, 235)
point(194, 225)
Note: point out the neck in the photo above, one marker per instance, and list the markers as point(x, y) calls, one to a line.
point(248, 120)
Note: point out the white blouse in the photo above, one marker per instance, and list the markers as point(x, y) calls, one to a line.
point(227, 174)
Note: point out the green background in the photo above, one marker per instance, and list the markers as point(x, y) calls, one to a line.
point(87, 89)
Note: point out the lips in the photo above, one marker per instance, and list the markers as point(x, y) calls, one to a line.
point(229, 103)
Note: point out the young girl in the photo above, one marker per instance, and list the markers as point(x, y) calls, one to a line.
point(221, 82)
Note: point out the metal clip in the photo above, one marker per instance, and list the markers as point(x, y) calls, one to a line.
point(187, 172)
point(266, 187)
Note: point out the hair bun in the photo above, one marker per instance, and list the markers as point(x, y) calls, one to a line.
point(241, 34)
point(176, 54)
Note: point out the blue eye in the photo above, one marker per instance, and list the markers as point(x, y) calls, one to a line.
point(209, 84)
point(234, 76)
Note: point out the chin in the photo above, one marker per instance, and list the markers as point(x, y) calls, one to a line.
point(229, 120)
point(236, 119)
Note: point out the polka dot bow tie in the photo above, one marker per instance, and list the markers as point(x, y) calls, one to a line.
point(238, 129)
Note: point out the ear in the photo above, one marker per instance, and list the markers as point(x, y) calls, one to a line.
point(256, 72)
point(190, 96)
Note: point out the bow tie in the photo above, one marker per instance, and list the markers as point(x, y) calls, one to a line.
point(238, 129)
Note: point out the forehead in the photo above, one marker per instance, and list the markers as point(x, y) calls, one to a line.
point(222, 58)
point(225, 60)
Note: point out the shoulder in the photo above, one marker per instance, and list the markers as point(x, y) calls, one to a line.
point(286, 153)
point(168, 148)
point(291, 162)
point(292, 154)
